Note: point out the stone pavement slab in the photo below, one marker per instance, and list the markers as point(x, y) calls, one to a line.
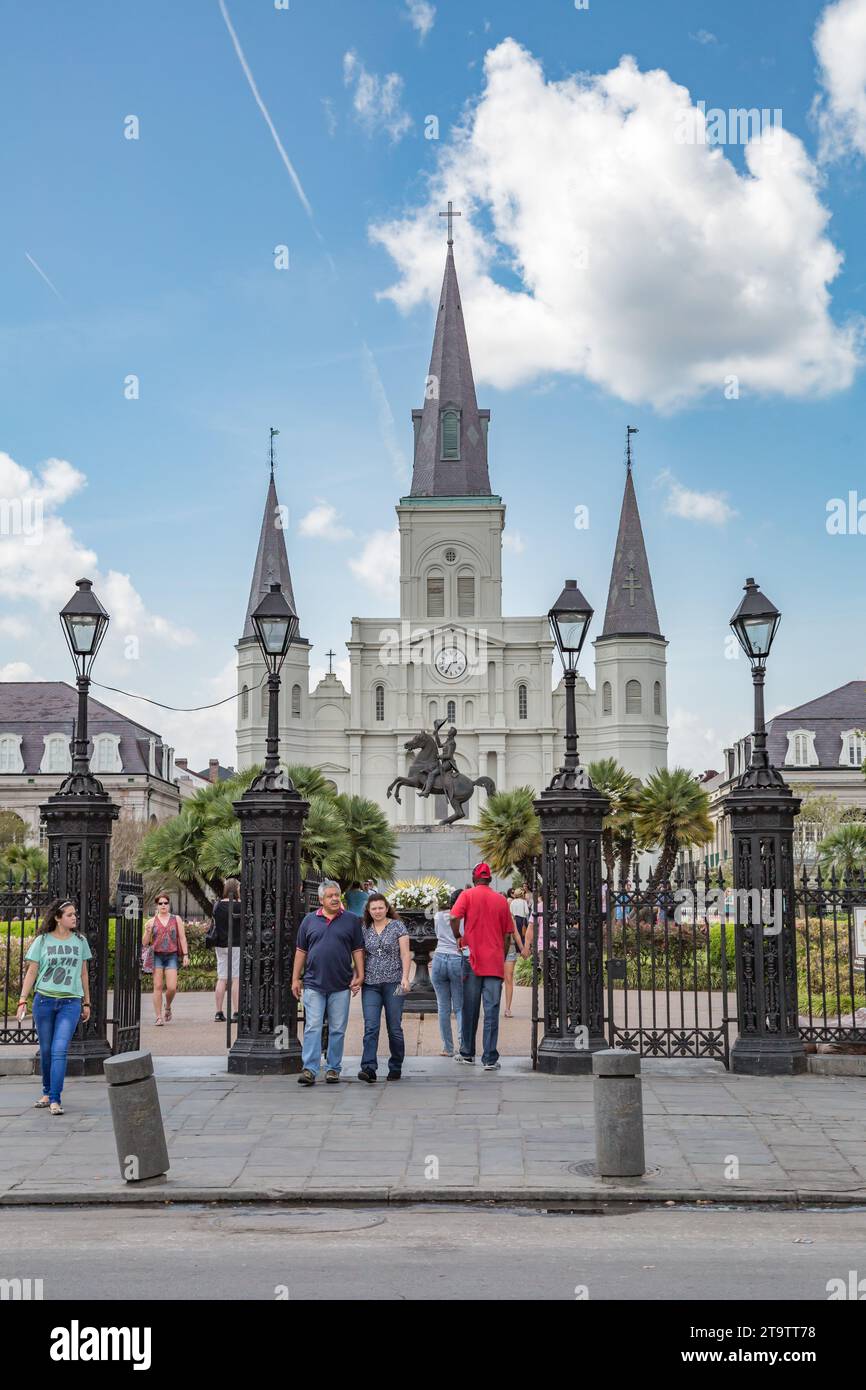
point(444, 1134)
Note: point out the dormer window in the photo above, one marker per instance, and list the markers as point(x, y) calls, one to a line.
point(106, 754)
point(801, 749)
point(853, 748)
point(451, 434)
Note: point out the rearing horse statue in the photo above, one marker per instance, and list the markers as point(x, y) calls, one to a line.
point(454, 785)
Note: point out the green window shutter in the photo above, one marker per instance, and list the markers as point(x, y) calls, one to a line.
point(450, 434)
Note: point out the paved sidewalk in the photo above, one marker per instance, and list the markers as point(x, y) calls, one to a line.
point(443, 1133)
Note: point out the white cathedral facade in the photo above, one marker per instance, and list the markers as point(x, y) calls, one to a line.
point(451, 653)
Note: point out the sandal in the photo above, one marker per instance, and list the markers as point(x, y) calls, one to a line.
point(56, 1109)
point(168, 1015)
point(158, 1021)
point(42, 1104)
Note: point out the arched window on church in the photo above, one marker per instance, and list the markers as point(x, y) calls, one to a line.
point(380, 703)
point(245, 702)
point(435, 595)
point(521, 702)
point(632, 697)
point(451, 712)
point(466, 595)
point(606, 698)
point(296, 702)
point(451, 434)
point(468, 713)
point(263, 707)
point(432, 711)
point(657, 698)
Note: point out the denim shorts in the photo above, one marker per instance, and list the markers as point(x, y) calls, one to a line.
point(165, 960)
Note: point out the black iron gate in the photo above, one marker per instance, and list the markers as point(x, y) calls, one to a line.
point(22, 906)
point(126, 1008)
point(831, 954)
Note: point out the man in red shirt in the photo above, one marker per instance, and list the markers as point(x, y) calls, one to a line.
point(484, 918)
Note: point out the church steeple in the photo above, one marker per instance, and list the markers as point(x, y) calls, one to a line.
point(272, 561)
point(631, 607)
point(450, 430)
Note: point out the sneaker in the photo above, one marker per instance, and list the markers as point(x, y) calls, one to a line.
point(332, 1077)
point(306, 1078)
point(234, 1018)
point(394, 1075)
point(466, 1061)
point(491, 1066)
point(366, 1075)
point(219, 1017)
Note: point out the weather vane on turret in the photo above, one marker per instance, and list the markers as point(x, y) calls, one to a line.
point(274, 433)
point(629, 431)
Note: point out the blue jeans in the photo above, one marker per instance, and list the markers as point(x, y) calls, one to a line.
point(375, 998)
point(315, 1006)
point(56, 1020)
point(475, 989)
point(446, 975)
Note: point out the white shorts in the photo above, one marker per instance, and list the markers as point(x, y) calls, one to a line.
point(222, 955)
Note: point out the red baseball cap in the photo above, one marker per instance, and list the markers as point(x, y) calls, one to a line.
point(482, 871)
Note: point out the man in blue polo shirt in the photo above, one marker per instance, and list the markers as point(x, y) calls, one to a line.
point(330, 956)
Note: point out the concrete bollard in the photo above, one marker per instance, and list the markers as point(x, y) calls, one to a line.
point(136, 1116)
point(618, 1101)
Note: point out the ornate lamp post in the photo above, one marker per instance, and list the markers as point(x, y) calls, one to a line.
point(571, 813)
point(78, 821)
point(272, 814)
point(762, 808)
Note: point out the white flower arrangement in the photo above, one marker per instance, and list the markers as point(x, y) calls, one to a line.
point(427, 894)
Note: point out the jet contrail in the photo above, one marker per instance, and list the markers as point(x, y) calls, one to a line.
point(41, 272)
point(264, 110)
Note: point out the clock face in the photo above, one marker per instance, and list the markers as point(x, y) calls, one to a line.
point(451, 662)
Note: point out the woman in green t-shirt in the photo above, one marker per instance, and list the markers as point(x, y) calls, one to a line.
point(58, 967)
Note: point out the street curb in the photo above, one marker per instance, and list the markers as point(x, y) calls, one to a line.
point(155, 1193)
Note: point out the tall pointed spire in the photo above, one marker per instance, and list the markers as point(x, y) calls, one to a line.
point(631, 606)
point(456, 465)
point(272, 561)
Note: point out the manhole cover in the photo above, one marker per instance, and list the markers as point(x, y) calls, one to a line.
point(589, 1170)
point(297, 1223)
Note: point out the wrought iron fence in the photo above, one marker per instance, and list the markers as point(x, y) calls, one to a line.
point(831, 952)
point(22, 905)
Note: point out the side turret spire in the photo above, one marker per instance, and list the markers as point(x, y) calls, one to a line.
point(631, 606)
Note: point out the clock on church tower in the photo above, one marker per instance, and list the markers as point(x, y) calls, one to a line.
point(451, 662)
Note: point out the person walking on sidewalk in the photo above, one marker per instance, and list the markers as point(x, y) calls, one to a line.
point(447, 969)
point(58, 966)
point(165, 933)
point(386, 982)
point(330, 956)
point(518, 909)
point(486, 924)
point(227, 916)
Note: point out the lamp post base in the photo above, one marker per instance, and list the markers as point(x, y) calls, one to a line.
point(86, 1056)
point(560, 1057)
point(768, 1057)
point(260, 1056)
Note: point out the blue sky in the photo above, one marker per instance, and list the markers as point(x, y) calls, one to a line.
point(160, 255)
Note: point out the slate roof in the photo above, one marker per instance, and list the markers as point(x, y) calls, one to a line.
point(272, 561)
point(828, 717)
point(631, 605)
point(36, 708)
point(451, 367)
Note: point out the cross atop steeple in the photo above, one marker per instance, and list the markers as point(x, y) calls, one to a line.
point(629, 431)
point(330, 656)
point(450, 214)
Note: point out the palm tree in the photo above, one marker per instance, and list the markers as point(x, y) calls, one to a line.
point(220, 855)
point(672, 812)
point(309, 781)
point(844, 850)
point(617, 836)
point(173, 849)
point(325, 844)
point(372, 843)
point(19, 861)
point(509, 832)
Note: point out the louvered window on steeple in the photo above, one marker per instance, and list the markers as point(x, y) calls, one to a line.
point(657, 698)
point(606, 698)
point(265, 705)
point(632, 697)
point(245, 702)
point(296, 702)
point(451, 434)
point(435, 596)
point(466, 595)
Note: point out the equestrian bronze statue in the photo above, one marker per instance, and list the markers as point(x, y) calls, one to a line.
point(435, 772)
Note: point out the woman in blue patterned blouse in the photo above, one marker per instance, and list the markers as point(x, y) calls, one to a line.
point(386, 981)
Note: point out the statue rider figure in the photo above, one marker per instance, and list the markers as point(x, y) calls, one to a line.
point(446, 765)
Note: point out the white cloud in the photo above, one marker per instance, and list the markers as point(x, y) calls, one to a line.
point(377, 100)
point(421, 16)
point(321, 520)
point(685, 502)
point(651, 267)
point(703, 36)
point(200, 734)
point(378, 565)
point(692, 743)
point(13, 627)
point(17, 671)
point(330, 116)
point(385, 415)
point(512, 540)
point(840, 44)
point(41, 559)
